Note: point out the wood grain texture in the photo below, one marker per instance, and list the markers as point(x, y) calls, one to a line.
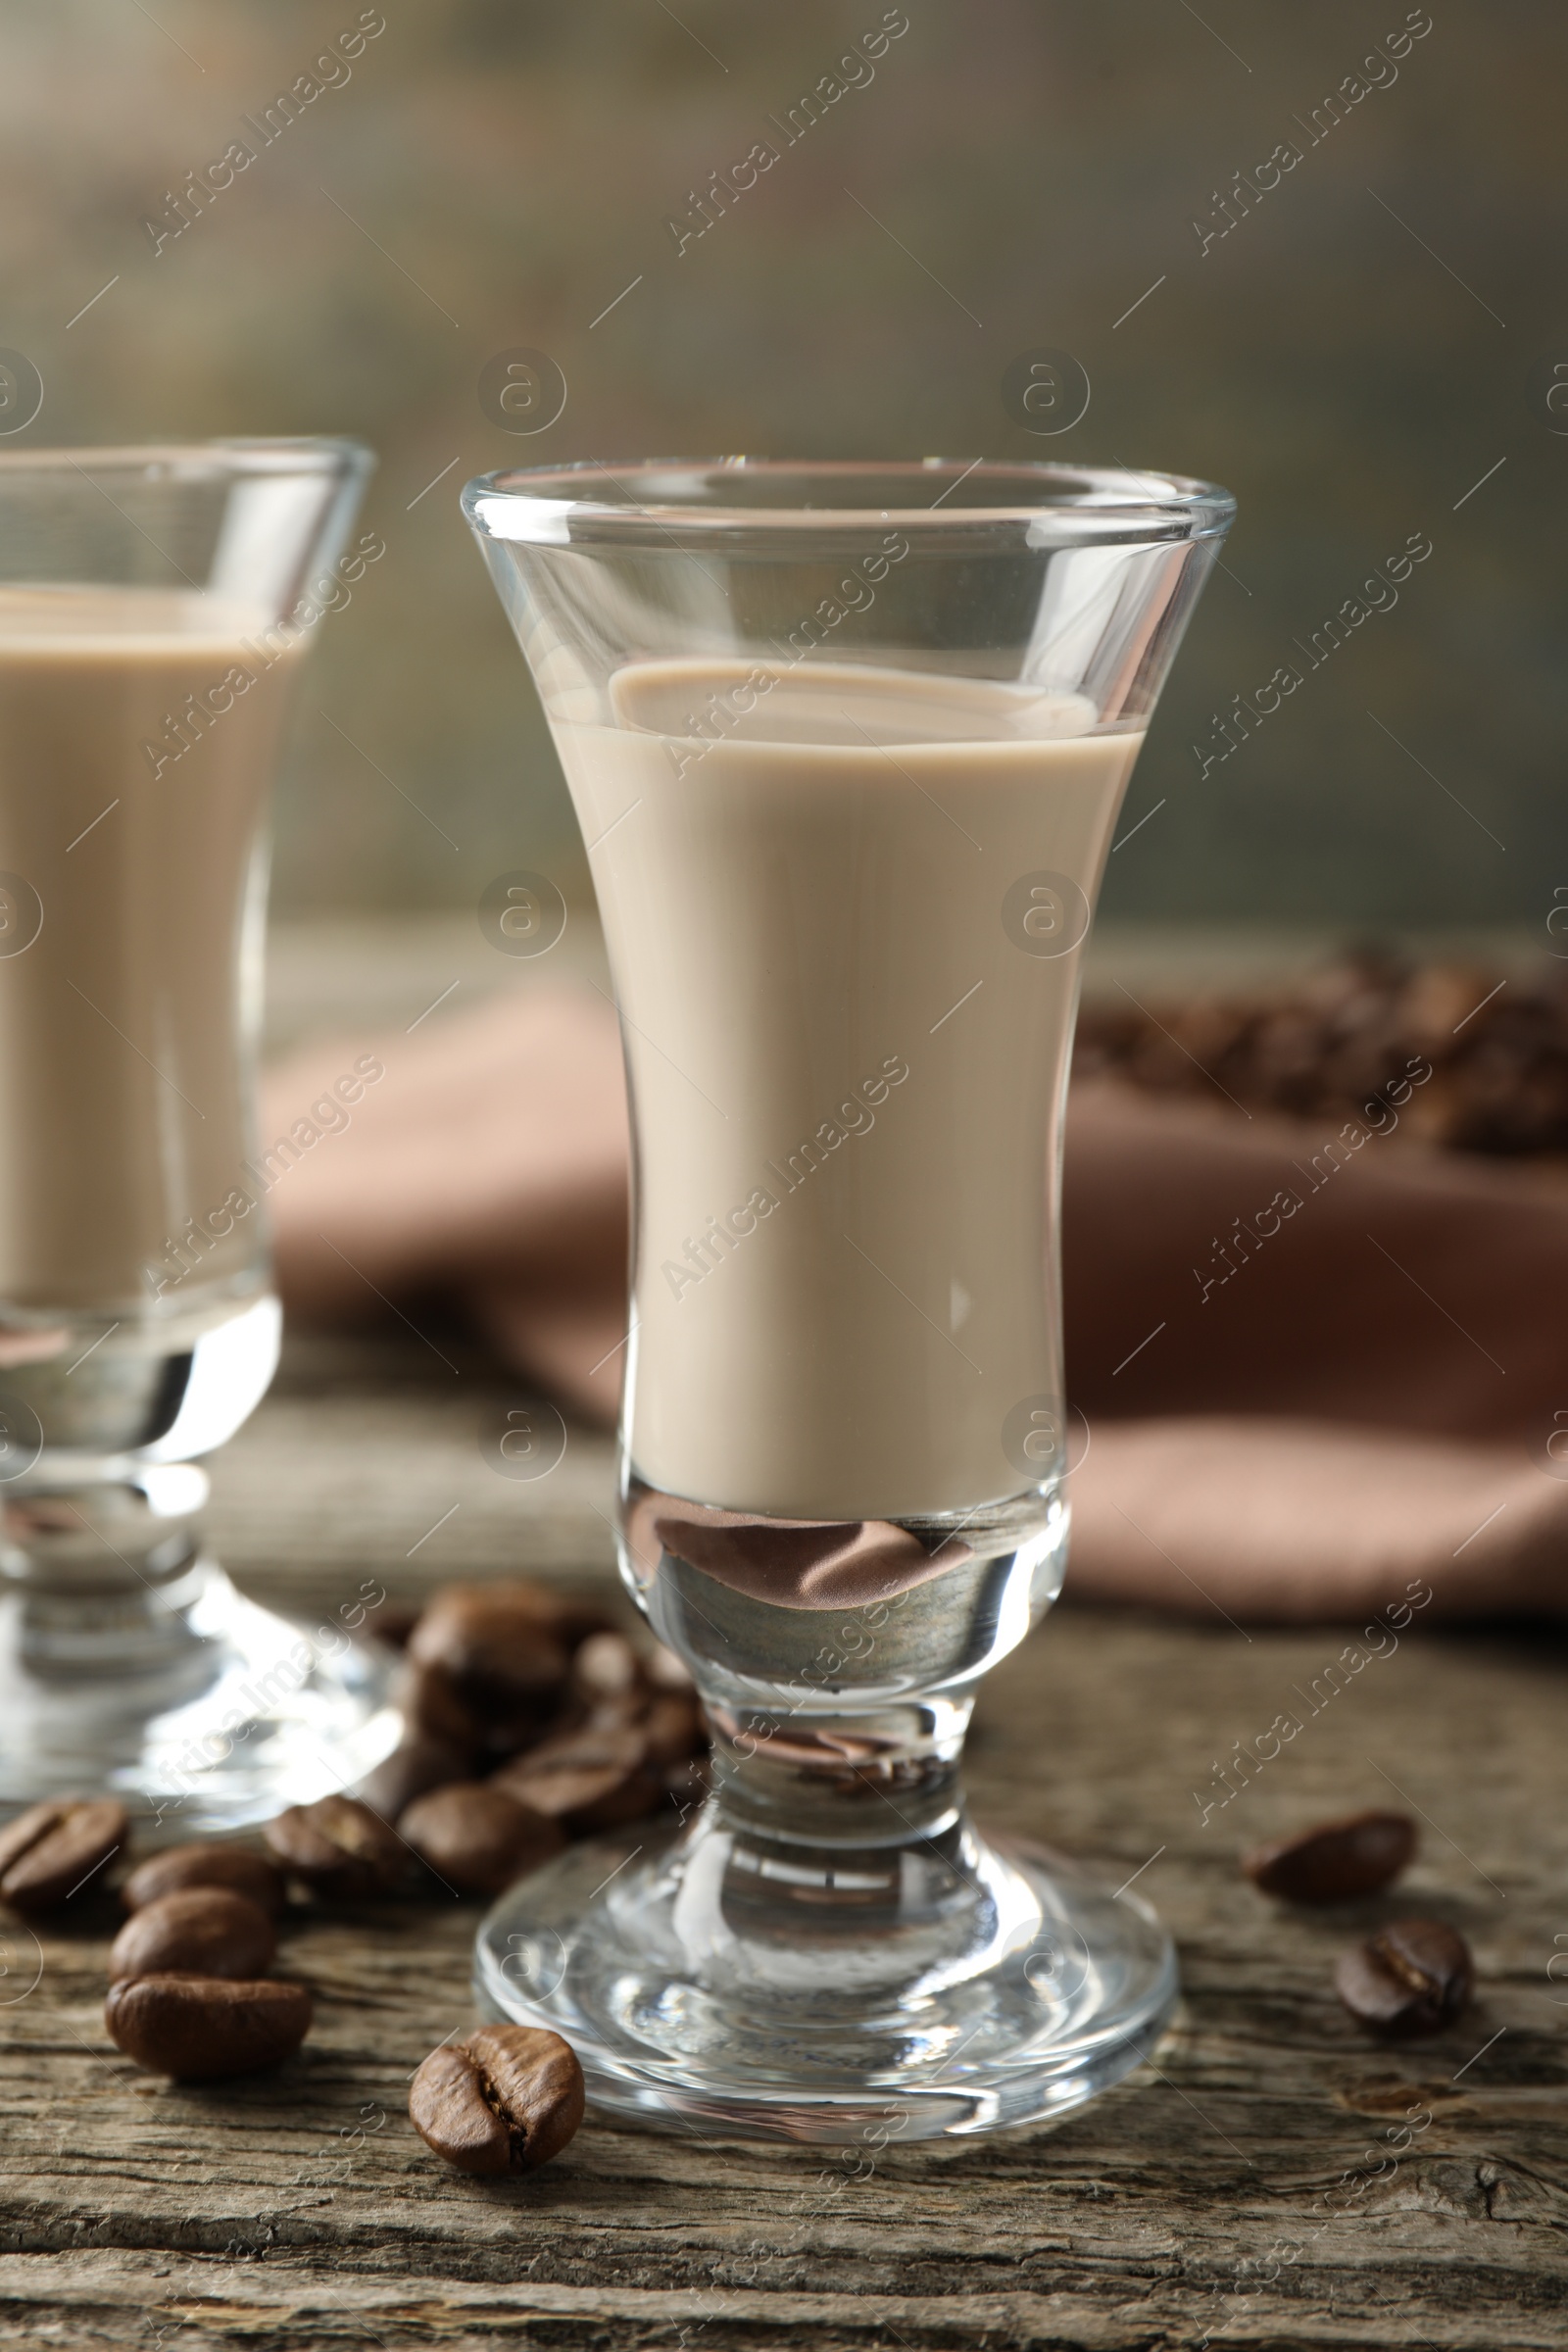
point(1274, 2181)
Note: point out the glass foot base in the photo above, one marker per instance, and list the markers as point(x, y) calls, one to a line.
point(197, 1710)
point(955, 1987)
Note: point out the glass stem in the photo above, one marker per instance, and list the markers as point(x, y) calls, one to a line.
point(885, 1777)
point(99, 1577)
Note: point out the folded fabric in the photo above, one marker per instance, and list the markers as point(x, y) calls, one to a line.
point(1316, 1369)
point(486, 1164)
point(1318, 1373)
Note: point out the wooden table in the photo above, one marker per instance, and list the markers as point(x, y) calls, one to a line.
point(1274, 2181)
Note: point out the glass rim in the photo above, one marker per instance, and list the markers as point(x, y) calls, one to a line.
point(229, 454)
point(1064, 502)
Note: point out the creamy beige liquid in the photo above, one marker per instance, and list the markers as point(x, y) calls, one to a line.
point(802, 885)
point(122, 1109)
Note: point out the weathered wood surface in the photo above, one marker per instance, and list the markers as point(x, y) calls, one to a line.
point(1244, 2191)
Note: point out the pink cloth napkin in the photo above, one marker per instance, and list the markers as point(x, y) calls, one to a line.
point(1313, 1382)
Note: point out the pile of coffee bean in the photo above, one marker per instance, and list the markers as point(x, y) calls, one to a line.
point(1412, 1977)
point(1331, 1046)
point(189, 1993)
point(532, 1720)
point(190, 1989)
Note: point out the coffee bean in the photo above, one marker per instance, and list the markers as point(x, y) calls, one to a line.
point(394, 1623)
point(1408, 1980)
point(416, 1765)
point(500, 1645)
point(234, 1867)
point(50, 1852)
point(197, 1930)
point(1337, 1860)
point(503, 2100)
point(339, 1847)
point(1324, 1045)
point(477, 1837)
point(605, 1667)
point(586, 1780)
point(477, 1720)
point(435, 1709)
point(198, 2029)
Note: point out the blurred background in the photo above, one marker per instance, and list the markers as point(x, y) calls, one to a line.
point(1361, 344)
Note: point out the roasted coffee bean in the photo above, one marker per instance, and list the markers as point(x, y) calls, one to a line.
point(197, 1930)
point(481, 1719)
point(605, 1667)
point(52, 1849)
point(477, 1837)
point(1410, 1979)
point(586, 1780)
point(234, 1867)
point(433, 1710)
point(1337, 1860)
point(200, 2028)
point(486, 1733)
point(503, 2100)
point(418, 1764)
point(1496, 1062)
point(339, 1847)
point(500, 1644)
point(394, 1623)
